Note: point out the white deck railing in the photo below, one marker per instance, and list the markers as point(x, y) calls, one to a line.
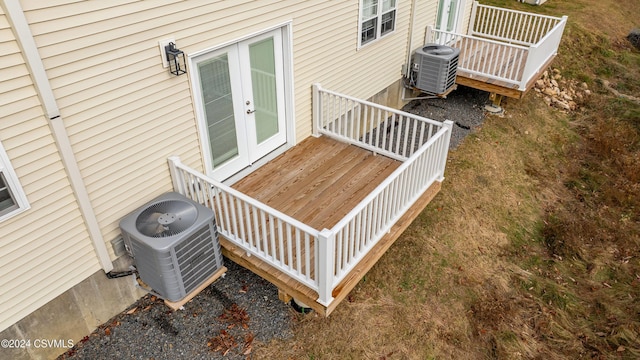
point(422, 144)
point(505, 45)
point(262, 231)
point(483, 57)
point(512, 26)
point(381, 129)
point(321, 259)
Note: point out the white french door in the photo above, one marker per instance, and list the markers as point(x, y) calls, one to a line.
point(239, 94)
point(448, 14)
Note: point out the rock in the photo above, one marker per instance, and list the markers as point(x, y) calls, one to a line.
point(567, 97)
point(561, 104)
point(556, 71)
point(584, 85)
point(540, 84)
point(554, 83)
point(557, 77)
point(547, 100)
point(634, 38)
point(549, 91)
point(587, 92)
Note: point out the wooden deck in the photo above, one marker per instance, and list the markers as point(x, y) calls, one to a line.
point(483, 57)
point(318, 182)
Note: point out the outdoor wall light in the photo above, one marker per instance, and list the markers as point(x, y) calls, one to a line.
point(176, 59)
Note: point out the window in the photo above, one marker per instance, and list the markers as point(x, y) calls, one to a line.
point(12, 199)
point(377, 19)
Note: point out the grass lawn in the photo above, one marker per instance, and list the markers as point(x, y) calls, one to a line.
point(532, 248)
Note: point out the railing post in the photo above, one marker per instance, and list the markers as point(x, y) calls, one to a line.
point(448, 124)
point(326, 259)
point(472, 21)
point(176, 179)
point(429, 34)
point(317, 109)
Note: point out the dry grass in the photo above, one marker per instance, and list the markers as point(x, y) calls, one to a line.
point(532, 248)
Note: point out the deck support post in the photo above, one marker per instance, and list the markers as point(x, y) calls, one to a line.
point(495, 107)
point(326, 259)
point(496, 99)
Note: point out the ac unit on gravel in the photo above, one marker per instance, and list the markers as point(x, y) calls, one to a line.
point(435, 67)
point(174, 243)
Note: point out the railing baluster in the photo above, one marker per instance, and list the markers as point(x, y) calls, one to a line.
point(307, 258)
point(289, 240)
point(280, 240)
point(272, 239)
point(382, 127)
point(298, 252)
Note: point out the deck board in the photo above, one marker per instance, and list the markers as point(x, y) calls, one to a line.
point(318, 181)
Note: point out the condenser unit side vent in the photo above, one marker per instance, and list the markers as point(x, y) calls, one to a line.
point(435, 67)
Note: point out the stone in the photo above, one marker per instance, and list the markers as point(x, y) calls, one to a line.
point(634, 38)
point(540, 84)
point(549, 91)
point(584, 85)
point(561, 104)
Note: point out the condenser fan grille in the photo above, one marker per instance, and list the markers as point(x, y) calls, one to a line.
point(166, 218)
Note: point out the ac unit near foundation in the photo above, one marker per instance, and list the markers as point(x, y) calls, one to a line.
point(435, 67)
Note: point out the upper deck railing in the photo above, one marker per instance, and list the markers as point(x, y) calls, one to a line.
point(504, 45)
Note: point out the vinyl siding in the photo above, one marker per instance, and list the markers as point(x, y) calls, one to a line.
point(45, 250)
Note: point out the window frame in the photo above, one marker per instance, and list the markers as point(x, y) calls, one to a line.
point(14, 187)
point(378, 17)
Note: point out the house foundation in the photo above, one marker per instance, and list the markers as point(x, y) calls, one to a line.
point(63, 322)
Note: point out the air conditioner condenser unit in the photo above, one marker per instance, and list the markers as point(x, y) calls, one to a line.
point(434, 68)
point(174, 243)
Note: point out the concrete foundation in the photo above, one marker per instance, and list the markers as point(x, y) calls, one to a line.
point(57, 326)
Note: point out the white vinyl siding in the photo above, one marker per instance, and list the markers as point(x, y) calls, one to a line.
point(45, 250)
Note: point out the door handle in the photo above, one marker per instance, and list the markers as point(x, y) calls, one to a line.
point(251, 111)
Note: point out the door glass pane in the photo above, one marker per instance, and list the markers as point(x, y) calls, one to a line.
point(218, 108)
point(263, 81)
point(453, 11)
point(441, 5)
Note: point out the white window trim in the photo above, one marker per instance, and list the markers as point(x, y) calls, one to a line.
point(14, 186)
point(378, 23)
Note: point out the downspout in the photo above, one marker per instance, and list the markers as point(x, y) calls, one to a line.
point(23, 34)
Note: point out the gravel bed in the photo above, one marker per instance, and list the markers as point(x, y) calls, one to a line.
point(241, 309)
point(229, 316)
point(464, 106)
